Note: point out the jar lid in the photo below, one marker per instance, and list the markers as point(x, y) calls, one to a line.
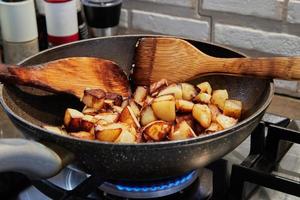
point(101, 3)
point(57, 1)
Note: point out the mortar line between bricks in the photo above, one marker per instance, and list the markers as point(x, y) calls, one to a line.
point(285, 10)
point(198, 7)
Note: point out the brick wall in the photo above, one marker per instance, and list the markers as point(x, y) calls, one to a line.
point(255, 27)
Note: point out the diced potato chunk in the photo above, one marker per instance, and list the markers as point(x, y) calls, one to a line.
point(115, 98)
point(72, 120)
point(107, 117)
point(127, 136)
point(135, 108)
point(214, 112)
point(94, 98)
point(147, 116)
point(233, 108)
point(188, 118)
point(89, 111)
point(157, 130)
point(202, 114)
point(108, 133)
point(225, 121)
point(205, 87)
point(219, 97)
point(188, 91)
point(140, 94)
point(127, 116)
point(164, 107)
point(181, 131)
point(87, 123)
point(83, 135)
point(184, 105)
point(173, 89)
point(203, 98)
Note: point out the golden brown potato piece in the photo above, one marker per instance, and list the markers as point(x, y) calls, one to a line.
point(140, 94)
point(94, 98)
point(173, 89)
point(181, 131)
point(107, 117)
point(135, 108)
point(225, 121)
point(72, 120)
point(233, 108)
point(202, 98)
point(83, 135)
point(184, 105)
point(157, 130)
point(219, 97)
point(125, 103)
point(202, 114)
point(117, 109)
point(197, 128)
point(147, 116)
point(188, 91)
point(156, 87)
point(128, 135)
point(127, 116)
point(87, 123)
point(214, 127)
point(108, 133)
point(55, 129)
point(214, 112)
point(164, 107)
point(205, 87)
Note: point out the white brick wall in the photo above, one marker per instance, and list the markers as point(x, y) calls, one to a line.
point(172, 25)
point(293, 15)
point(275, 43)
point(185, 3)
point(261, 8)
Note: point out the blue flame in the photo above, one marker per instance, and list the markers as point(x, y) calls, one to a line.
point(162, 186)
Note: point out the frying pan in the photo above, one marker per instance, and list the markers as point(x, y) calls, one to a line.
point(29, 108)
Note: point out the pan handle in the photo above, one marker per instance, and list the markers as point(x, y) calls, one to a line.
point(31, 158)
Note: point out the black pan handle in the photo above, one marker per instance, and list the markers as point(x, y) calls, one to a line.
point(31, 158)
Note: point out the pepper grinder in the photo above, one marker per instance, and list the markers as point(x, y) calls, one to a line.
point(19, 30)
point(102, 16)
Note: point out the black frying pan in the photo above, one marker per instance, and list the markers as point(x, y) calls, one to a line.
point(30, 108)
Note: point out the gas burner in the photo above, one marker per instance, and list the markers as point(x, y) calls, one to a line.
point(149, 189)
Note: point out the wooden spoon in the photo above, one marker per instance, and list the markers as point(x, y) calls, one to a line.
point(177, 61)
point(69, 75)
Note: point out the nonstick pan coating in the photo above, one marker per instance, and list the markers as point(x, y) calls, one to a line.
point(30, 108)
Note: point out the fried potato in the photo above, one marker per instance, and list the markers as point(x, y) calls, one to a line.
point(181, 131)
point(164, 107)
point(225, 121)
point(55, 129)
point(173, 89)
point(184, 105)
point(107, 117)
point(202, 114)
point(87, 123)
point(127, 116)
point(72, 120)
point(219, 97)
point(108, 133)
point(135, 108)
point(116, 99)
point(157, 130)
point(140, 94)
point(205, 87)
point(89, 111)
point(188, 91)
point(214, 112)
point(202, 98)
point(232, 108)
point(147, 116)
point(127, 136)
point(94, 98)
point(187, 117)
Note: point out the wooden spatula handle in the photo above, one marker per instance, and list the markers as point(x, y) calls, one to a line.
point(275, 67)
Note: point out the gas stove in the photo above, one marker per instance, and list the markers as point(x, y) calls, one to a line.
point(265, 166)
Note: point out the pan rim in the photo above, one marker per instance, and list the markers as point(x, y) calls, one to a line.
point(164, 144)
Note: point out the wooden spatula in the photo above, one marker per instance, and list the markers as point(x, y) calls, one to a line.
point(177, 61)
point(69, 75)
